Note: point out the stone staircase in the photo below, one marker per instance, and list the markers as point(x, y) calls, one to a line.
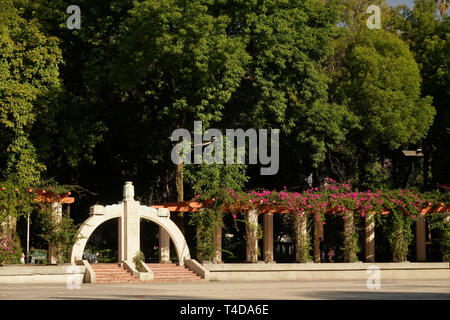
point(112, 272)
point(170, 272)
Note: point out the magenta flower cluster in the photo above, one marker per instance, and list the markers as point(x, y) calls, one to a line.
point(8, 247)
point(331, 197)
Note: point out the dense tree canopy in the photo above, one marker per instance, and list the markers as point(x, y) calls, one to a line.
point(97, 106)
point(29, 80)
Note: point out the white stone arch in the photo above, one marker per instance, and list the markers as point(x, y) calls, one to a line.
point(162, 219)
point(100, 214)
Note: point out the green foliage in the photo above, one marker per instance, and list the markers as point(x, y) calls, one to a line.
point(303, 241)
point(440, 222)
point(10, 250)
point(29, 75)
point(178, 57)
point(381, 84)
point(400, 235)
point(104, 255)
point(428, 37)
point(350, 245)
point(210, 182)
point(206, 221)
point(15, 201)
point(61, 234)
point(138, 260)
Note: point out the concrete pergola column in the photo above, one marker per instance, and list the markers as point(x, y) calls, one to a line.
point(268, 237)
point(369, 222)
point(131, 224)
point(53, 252)
point(164, 246)
point(251, 219)
point(301, 233)
point(421, 248)
point(318, 233)
point(349, 229)
point(217, 239)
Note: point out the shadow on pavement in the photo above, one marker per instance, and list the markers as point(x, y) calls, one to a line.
point(376, 295)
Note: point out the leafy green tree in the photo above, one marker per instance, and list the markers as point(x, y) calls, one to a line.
point(428, 37)
point(177, 60)
point(380, 84)
point(29, 78)
point(285, 85)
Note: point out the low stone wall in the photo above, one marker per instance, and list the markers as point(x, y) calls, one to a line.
point(326, 271)
point(42, 273)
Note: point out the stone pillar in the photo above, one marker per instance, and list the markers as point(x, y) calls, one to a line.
point(369, 222)
point(421, 247)
point(131, 224)
point(217, 239)
point(251, 219)
point(301, 238)
point(53, 250)
point(120, 239)
point(164, 246)
point(349, 230)
point(318, 234)
point(268, 237)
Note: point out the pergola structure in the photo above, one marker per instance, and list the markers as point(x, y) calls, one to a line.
point(251, 216)
point(57, 201)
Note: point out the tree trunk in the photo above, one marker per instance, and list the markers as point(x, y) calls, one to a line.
point(178, 219)
point(316, 178)
point(426, 163)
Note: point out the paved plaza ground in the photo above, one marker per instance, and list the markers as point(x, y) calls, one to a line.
point(267, 290)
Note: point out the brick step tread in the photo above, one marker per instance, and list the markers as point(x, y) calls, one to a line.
point(166, 267)
point(108, 270)
point(115, 274)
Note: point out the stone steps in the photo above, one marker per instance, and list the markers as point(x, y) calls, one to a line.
point(170, 272)
point(112, 272)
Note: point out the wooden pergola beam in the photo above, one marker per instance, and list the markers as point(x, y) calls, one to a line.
point(194, 206)
point(44, 196)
